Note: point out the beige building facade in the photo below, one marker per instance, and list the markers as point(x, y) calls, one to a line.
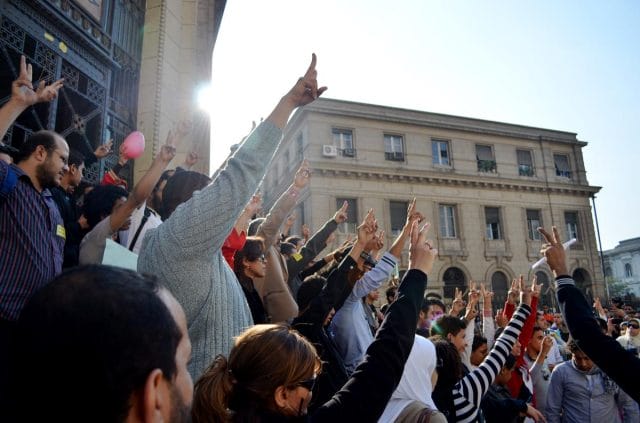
point(485, 186)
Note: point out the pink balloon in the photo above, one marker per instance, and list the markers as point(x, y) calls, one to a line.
point(133, 145)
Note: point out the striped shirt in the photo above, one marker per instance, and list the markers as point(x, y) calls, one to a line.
point(468, 392)
point(31, 242)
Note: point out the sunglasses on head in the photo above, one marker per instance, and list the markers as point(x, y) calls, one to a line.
point(308, 384)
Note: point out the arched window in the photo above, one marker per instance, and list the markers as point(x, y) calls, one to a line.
point(500, 286)
point(453, 278)
point(628, 271)
point(583, 281)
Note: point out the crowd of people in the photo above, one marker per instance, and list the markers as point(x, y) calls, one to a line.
point(266, 328)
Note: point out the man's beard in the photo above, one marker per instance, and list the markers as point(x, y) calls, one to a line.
point(45, 176)
point(180, 412)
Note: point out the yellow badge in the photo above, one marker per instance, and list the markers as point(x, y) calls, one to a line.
point(61, 232)
point(296, 256)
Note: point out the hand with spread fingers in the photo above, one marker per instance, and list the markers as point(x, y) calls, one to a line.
point(554, 251)
point(22, 90)
point(458, 303)
point(303, 175)
point(103, 150)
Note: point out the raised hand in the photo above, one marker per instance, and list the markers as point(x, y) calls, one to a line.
point(458, 303)
point(367, 230)
point(525, 294)
point(421, 253)
point(167, 153)
point(413, 215)
point(22, 90)
point(191, 159)
point(179, 132)
point(103, 150)
point(473, 298)
point(288, 223)
point(306, 232)
point(535, 288)
point(302, 176)
point(341, 215)
point(254, 204)
point(501, 319)
point(514, 292)
point(487, 297)
point(547, 343)
point(306, 88)
point(554, 251)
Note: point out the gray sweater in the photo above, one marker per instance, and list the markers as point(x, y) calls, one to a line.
point(184, 252)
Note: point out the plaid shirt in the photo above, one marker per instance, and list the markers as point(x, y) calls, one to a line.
point(31, 242)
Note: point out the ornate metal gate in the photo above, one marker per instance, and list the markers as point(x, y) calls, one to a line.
point(98, 59)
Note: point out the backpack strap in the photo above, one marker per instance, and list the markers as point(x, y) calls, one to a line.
point(147, 213)
point(8, 184)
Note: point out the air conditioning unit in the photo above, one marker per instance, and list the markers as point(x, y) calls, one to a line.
point(329, 150)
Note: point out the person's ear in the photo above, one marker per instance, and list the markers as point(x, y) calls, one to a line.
point(450, 337)
point(422, 315)
point(73, 169)
point(280, 396)
point(156, 398)
point(40, 153)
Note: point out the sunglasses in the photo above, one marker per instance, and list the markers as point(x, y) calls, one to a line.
point(634, 326)
point(308, 384)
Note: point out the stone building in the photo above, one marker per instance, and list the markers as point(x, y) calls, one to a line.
point(484, 185)
point(127, 64)
point(622, 266)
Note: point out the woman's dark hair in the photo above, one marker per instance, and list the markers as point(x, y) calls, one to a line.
point(286, 248)
point(446, 325)
point(294, 239)
point(96, 332)
point(242, 387)
point(180, 187)
point(252, 250)
point(449, 369)
point(99, 202)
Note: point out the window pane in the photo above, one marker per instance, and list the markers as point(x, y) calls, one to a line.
point(524, 157)
point(440, 152)
point(561, 162)
point(398, 211)
point(447, 221)
point(571, 221)
point(492, 217)
point(534, 222)
point(343, 138)
point(483, 152)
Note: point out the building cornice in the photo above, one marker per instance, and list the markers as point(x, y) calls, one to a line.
point(350, 109)
point(455, 180)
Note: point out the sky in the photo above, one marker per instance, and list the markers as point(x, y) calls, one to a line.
point(570, 65)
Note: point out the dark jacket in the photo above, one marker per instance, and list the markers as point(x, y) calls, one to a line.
point(74, 233)
point(620, 365)
point(297, 262)
point(499, 407)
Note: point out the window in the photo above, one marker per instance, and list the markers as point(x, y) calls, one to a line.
point(300, 147)
point(533, 223)
point(492, 220)
point(440, 151)
point(561, 162)
point(525, 163)
point(500, 287)
point(484, 157)
point(447, 221)
point(571, 222)
point(628, 271)
point(343, 140)
point(453, 278)
point(398, 212)
point(352, 215)
point(393, 148)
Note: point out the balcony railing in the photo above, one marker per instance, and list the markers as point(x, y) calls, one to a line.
point(397, 156)
point(348, 152)
point(525, 170)
point(563, 173)
point(487, 166)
